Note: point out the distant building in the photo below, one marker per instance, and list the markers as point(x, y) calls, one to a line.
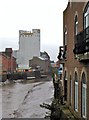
point(74, 55)
point(42, 62)
point(44, 55)
point(7, 61)
point(29, 46)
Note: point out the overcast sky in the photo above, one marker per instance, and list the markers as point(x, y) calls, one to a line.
point(46, 15)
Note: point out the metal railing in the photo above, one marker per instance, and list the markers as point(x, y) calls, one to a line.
point(82, 42)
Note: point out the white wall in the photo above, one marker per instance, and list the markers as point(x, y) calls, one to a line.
point(29, 46)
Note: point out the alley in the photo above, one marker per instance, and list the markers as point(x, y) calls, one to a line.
point(23, 99)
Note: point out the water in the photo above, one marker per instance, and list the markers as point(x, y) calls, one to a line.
point(23, 99)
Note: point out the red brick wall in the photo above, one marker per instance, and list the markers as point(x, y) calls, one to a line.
point(4, 63)
point(8, 63)
point(72, 63)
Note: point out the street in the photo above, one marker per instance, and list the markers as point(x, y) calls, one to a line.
point(22, 99)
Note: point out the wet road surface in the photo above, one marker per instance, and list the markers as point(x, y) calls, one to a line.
point(23, 99)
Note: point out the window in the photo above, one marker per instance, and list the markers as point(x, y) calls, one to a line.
point(86, 16)
point(76, 92)
point(65, 44)
point(75, 28)
point(83, 95)
point(76, 25)
point(86, 26)
point(65, 37)
point(70, 90)
point(65, 86)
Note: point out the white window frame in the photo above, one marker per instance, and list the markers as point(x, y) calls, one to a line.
point(76, 96)
point(71, 91)
point(65, 33)
point(86, 15)
point(76, 28)
point(84, 98)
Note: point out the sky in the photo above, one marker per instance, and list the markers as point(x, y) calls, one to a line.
point(46, 15)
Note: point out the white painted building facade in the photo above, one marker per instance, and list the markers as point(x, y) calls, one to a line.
point(29, 46)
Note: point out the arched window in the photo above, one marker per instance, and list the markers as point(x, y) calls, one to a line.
point(70, 90)
point(76, 92)
point(65, 86)
point(86, 25)
point(65, 36)
point(86, 16)
point(65, 43)
point(76, 25)
point(83, 95)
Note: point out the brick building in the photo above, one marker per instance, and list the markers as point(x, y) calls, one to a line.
point(43, 62)
point(7, 61)
point(74, 55)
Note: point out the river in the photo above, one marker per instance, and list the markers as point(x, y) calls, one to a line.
point(22, 99)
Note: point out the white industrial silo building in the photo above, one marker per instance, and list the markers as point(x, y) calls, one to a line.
point(29, 46)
